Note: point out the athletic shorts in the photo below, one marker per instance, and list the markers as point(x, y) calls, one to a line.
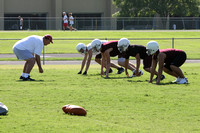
point(65, 24)
point(98, 56)
point(22, 54)
point(121, 60)
point(147, 62)
point(178, 61)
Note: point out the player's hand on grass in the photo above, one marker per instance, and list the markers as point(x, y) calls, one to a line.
point(80, 72)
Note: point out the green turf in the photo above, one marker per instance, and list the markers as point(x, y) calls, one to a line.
point(118, 104)
point(191, 46)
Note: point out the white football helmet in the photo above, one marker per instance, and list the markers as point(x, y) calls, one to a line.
point(81, 46)
point(104, 41)
point(123, 44)
point(3, 109)
point(152, 47)
point(96, 44)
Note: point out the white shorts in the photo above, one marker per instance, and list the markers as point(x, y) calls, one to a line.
point(22, 54)
point(121, 59)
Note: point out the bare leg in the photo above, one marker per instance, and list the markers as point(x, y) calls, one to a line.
point(29, 65)
point(178, 72)
point(130, 66)
point(112, 64)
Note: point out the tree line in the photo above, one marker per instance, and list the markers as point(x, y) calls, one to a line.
point(163, 8)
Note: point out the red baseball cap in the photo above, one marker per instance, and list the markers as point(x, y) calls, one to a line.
point(49, 37)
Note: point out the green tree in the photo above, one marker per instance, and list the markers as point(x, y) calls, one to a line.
point(149, 8)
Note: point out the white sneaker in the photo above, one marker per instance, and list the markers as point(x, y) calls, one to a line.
point(177, 80)
point(183, 81)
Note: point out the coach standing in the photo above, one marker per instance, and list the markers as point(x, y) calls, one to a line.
point(26, 48)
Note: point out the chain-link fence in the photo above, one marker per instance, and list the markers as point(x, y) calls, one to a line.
point(68, 45)
point(102, 23)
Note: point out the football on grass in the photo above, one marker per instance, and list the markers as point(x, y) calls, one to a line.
point(140, 73)
point(74, 110)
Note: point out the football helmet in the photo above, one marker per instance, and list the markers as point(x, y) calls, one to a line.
point(123, 44)
point(96, 44)
point(152, 47)
point(81, 46)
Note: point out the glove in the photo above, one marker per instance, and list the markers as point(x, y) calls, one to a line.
point(85, 73)
point(80, 72)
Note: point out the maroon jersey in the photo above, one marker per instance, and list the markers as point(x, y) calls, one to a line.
point(171, 54)
point(135, 49)
point(110, 44)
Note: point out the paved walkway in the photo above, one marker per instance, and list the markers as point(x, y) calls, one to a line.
point(61, 62)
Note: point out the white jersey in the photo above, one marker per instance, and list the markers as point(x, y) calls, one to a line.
point(71, 20)
point(33, 43)
point(65, 19)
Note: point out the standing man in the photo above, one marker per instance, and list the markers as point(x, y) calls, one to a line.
point(26, 48)
point(20, 23)
point(169, 60)
point(65, 24)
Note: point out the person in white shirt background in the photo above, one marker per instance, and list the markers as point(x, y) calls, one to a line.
point(71, 22)
point(26, 48)
point(65, 20)
point(20, 23)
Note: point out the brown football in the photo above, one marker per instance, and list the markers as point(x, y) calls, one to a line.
point(74, 110)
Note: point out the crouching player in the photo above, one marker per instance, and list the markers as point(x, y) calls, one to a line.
point(109, 49)
point(137, 51)
point(169, 60)
point(88, 51)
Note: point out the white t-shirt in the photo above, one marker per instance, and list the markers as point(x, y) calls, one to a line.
point(33, 43)
point(71, 20)
point(65, 19)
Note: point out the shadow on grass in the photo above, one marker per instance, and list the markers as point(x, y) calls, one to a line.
point(34, 81)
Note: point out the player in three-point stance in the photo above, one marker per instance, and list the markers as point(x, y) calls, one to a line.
point(137, 51)
point(168, 60)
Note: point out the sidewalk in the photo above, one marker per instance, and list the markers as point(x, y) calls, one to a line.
point(61, 62)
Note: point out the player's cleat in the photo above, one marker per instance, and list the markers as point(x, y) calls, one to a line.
point(21, 77)
point(28, 79)
point(183, 81)
point(110, 71)
point(177, 80)
point(120, 70)
point(162, 77)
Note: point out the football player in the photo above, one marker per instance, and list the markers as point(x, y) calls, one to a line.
point(169, 60)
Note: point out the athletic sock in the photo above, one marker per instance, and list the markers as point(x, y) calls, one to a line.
point(26, 75)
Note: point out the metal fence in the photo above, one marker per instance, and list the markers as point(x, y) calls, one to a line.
point(103, 23)
point(68, 45)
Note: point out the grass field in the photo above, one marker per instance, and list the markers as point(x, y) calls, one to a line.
point(190, 46)
point(118, 104)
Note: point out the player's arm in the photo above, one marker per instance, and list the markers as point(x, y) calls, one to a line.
point(161, 59)
point(107, 57)
point(152, 70)
point(102, 63)
point(83, 62)
point(88, 61)
point(126, 66)
point(37, 58)
point(137, 64)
